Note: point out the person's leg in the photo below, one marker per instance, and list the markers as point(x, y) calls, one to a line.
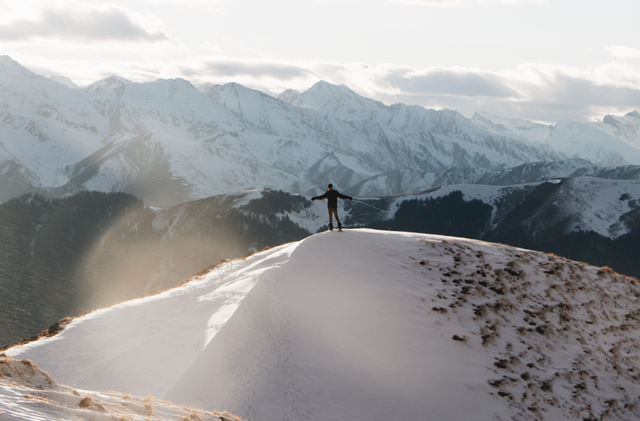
point(335, 212)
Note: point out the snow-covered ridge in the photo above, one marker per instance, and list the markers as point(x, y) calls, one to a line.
point(111, 83)
point(369, 325)
point(614, 141)
point(28, 393)
point(64, 81)
point(607, 207)
point(625, 128)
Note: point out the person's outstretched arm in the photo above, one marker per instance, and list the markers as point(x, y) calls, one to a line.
point(322, 197)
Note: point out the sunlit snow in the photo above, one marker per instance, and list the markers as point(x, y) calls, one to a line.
point(371, 325)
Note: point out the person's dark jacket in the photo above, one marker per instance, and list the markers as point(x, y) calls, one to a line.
point(332, 195)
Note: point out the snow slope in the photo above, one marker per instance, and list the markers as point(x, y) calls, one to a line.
point(370, 325)
point(625, 128)
point(610, 143)
point(515, 127)
point(540, 171)
point(604, 206)
point(577, 140)
point(598, 205)
point(28, 393)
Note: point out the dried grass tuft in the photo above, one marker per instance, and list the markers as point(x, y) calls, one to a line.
point(225, 416)
point(52, 331)
point(193, 415)
point(89, 403)
point(25, 372)
point(148, 404)
point(38, 398)
point(606, 270)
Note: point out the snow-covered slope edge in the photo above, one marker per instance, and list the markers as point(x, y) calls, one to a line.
point(28, 393)
point(369, 325)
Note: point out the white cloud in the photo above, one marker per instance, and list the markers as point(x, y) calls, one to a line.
point(211, 6)
point(540, 92)
point(208, 47)
point(533, 91)
point(85, 22)
point(464, 3)
point(188, 3)
point(268, 75)
point(451, 81)
point(622, 52)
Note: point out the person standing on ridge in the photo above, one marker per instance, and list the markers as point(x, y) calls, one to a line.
point(332, 204)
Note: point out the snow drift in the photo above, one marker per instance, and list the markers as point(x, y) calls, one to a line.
point(28, 393)
point(369, 325)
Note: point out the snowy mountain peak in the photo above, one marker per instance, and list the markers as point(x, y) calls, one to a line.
point(11, 68)
point(625, 128)
point(634, 114)
point(494, 127)
point(112, 83)
point(266, 113)
point(505, 123)
point(324, 86)
point(174, 86)
point(326, 89)
point(512, 127)
point(289, 96)
point(174, 97)
point(610, 120)
point(64, 81)
point(221, 93)
point(569, 126)
point(337, 99)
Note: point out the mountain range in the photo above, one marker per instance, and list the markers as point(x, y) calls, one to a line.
point(604, 143)
point(167, 142)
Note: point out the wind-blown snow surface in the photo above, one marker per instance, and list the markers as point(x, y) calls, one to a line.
point(28, 393)
point(370, 325)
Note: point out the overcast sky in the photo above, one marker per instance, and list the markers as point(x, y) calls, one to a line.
point(543, 60)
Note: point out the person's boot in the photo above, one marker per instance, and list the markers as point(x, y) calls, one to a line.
point(339, 226)
point(331, 226)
